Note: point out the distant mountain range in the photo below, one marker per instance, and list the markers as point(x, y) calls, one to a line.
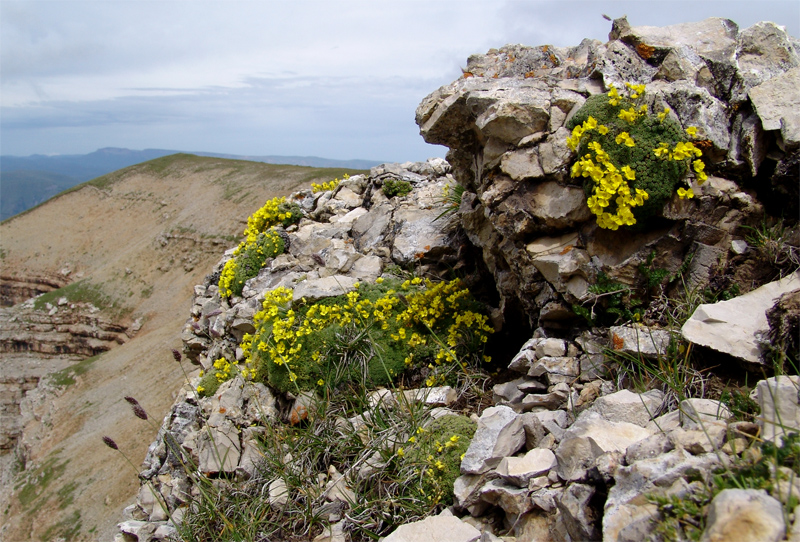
point(27, 181)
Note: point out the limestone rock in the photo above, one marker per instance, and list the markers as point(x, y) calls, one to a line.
point(513, 500)
point(519, 470)
point(746, 515)
point(590, 437)
point(735, 326)
point(702, 413)
point(435, 529)
point(778, 401)
point(777, 105)
point(315, 289)
point(500, 433)
point(580, 519)
point(639, 340)
point(626, 406)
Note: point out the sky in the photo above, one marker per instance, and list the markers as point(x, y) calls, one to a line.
point(333, 78)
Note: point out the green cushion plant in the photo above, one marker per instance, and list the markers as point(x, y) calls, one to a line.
point(368, 337)
point(632, 161)
point(261, 242)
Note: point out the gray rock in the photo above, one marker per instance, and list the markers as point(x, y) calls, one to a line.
point(639, 340)
point(418, 234)
point(645, 476)
point(735, 326)
point(519, 470)
point(698, 441)
point(763, 52)
point(278, 493)
point(219, 447)
point(331, 286)
point(500, 434)
point(649, 448)
point(777, 103)
point(745, 515)
point(522, 164)
point(513, 500)
point(590, 437)
point(580, 519)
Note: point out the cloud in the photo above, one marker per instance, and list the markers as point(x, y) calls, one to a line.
point(337, 79)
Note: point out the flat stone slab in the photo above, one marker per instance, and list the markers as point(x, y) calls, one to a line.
point(435, 529)
point(735, 326)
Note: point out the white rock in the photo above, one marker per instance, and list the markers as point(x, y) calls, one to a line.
point(636, 340)
point(435, 529)
point(278, 493)
point(626, 406)
point(777, 399)
point(314, 289)
point(590, 437)
point(744, 515)
point(702, 413)
point(519, 470)
point(735, 326)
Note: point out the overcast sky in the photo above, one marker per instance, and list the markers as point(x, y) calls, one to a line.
point(337, 79)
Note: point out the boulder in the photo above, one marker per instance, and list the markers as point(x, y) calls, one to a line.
point(778, 106)
point(639, 340)
point(590, 437)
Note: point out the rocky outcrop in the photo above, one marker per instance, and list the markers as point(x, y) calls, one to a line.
point(18, 288)
point(504, 124)
point(63, 329)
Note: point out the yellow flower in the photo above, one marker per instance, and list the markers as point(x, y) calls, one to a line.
point(692, 131)
point(663, 114)
point(685, 194)
point(379, 280)
point(602, 129)
point(320, 382)
point(400, 452)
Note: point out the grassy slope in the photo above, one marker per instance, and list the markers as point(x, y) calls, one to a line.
point(111, 233)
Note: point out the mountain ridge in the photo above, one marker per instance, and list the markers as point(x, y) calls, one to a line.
point(19, 173)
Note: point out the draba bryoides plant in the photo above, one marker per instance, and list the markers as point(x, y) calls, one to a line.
point(632, 161)
point(372, 334)
point(261, 242)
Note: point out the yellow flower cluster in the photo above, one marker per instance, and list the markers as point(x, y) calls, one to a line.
point(227, 277)
point(328, 186)
point(437, 303)
point(614, 194)
point(422, 319)
point(266, 217)
point(610, 182)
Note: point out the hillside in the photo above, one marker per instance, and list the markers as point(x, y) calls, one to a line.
point(26, 181)
point(133, 243)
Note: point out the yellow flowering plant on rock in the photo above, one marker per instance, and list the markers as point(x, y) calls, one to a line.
point(261, 241)
point(328, 186)
point(370, 336)
point(632, 161)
